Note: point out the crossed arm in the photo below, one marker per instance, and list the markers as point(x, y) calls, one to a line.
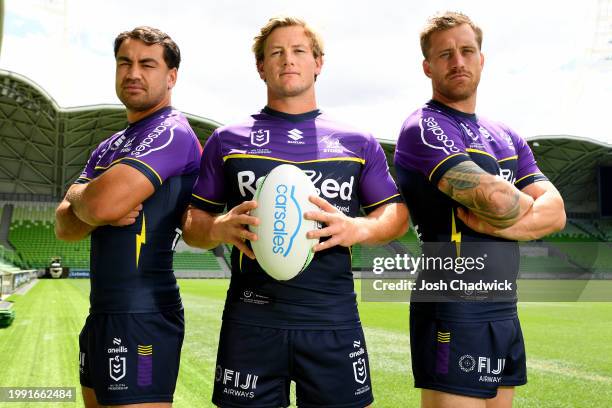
point(114, 198)
point(495, 207)
point(206, 230)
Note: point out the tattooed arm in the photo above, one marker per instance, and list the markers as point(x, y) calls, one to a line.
point(490, 197)
point(547, 215)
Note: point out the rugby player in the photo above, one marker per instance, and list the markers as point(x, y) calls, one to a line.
point(472, 183)
point(306, 329)
point(131, 197)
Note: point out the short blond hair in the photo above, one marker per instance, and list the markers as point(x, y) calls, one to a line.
point(286, 21)
point(446, 21)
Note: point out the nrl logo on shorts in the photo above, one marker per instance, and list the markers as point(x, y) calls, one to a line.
point(359, 369)
point(260, 138)
point(117, 367)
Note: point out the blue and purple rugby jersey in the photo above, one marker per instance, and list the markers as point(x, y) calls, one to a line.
point(131, 267)
point(434, 139)
point(349, 170)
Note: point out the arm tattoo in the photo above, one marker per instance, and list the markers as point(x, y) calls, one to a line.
point(493, 199)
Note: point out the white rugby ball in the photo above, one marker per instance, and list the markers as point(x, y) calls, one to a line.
point(282, 249)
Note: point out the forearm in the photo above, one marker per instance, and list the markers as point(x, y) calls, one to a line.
point(382, 225)
point(492, 198)
point(546, 216)
point(81, 207)
point(68, 227)
point(197, 226)
point(110, 197)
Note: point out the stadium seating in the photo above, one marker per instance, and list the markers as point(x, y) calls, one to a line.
point(32, 235)
point(545, 264)
point(36, 244)
point(196, 261)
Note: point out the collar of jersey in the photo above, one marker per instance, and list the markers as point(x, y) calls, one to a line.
point(156, 113)
point(292, 117)
point(450, 110)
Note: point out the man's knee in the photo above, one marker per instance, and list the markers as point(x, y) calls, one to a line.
point(438, 399)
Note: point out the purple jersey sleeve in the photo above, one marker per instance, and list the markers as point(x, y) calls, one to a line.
point(527, 168)
point(431, 143)
point(88, 172)
point(376, 186)
point(169, 150)
point(209, 190)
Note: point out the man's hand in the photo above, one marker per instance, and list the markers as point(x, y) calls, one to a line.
point(547, 215)
point(129, 218)
point(231, 227)
point(341, 229)
point(472, 221)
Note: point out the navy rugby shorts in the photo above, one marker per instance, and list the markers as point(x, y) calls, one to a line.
point(131, 358)
point(255, 366)
point(467, 358)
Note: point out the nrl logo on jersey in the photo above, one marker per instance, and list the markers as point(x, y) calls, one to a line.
point(260, 137)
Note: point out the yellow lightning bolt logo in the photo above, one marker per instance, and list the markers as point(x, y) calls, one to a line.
point(141, 238)
point(455, 236)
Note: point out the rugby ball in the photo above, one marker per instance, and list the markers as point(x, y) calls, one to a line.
point(282, 249)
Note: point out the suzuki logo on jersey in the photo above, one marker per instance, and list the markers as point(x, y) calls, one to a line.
point(328, 188)
point(434, 128)
point(260, 137)
point(295, 135)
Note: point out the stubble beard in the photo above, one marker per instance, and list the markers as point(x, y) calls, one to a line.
point(140, 103)
point(459, 93)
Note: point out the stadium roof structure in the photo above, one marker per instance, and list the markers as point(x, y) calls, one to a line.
point(43, 147)
point(570, 162)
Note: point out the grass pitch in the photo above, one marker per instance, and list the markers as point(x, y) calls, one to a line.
point(569, 352)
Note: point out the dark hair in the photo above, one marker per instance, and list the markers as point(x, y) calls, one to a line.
point(150, 35)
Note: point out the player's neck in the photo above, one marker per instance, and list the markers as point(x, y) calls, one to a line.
point(465, 105)
point(293, 105)
point(135, 116)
